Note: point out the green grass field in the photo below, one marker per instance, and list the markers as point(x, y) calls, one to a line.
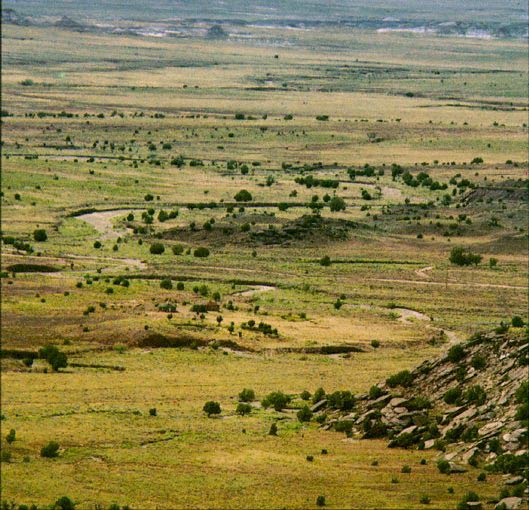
point(101, 132)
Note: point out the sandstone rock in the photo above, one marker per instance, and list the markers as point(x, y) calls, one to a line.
point(397, 402)
point(429, 444)
point(408, 430)
point(318, 406)
point(514, 481)
point(474, 505)
point(509, 503)
point(455, 468)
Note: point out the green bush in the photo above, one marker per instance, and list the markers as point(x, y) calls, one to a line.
point(319, 395)
point(320, 501)
point(304, 414)
point(157, 248)
point(468, 498)
point(337, 204)
point(40, 235)
point(460, 257)
point(305, 395)
point(50, 450)
point(325, 261)
point(277, 399)
point(11, 436)
point(478, 362)
point(177, 249)
point(166, 284)
point(243, 409)
point(342, 400)
point(443, 466)
point(403, 378)
point(243, 196)
point(54, 357)
point(211, 407)
point(180, 286)
point(475, 395)
point(273, 430)
point(517, 322)
point(201, 252)
point(456, 353)
point(453, 395)
point(65, 503)
point(375, 392)
point(247, 395)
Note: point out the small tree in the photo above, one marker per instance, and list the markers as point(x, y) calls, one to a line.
point(54, 357)
point(247, 395)
point(273, 430)
point(304, 414)
point(40, 235)
point(11, 436)
point(157, 248)
point(243, 408)
point(211, 407)
point(166, 284)
point(243, 196)
point(50, 450)
point(277, 399)
point(320, 501)
point(65, 503)
point(201, 252)
point(325, 261)
point(337, 204)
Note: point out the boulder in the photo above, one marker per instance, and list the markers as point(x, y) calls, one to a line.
point(318, 406)
point(509, 503)
point(514, 481)
point(455, 468)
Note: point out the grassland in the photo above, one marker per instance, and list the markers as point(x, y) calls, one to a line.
point(164, 117)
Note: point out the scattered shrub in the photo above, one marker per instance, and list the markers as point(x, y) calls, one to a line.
point(277, 399)
point(243, 408)
point(50, 450)
point(211, 407)
point(304, 414)
point(403, 378)
point(157, 248)
point(201, 252)
point(166, 284)
point(40, 235)
point(247, 395)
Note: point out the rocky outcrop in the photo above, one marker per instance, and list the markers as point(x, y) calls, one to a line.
point(471, 404)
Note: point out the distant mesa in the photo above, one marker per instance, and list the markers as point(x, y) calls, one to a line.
point(70, 24)
point(217, 32)
point(12, 17)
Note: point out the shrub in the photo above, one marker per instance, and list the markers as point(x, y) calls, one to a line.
point(157, 248)
point(50, 450)
point(97, 245)
point(5, 456)
point(65, 503)
point(320, 501)
point(243, 408)
point(342, 400)
point(319, 395)
point(11, 436)
point(522, 412)
point(425, 500)
point(304, 414)
point(443, 466)
point(177, 249)
point(40, 235)
point(375, 392)
point(211, 407)
point(180, 286)
point(456, 353)
point(277, 399)
point(305, 395)
point(478, 362)
point(460, 257)
point(467, 498)
point(273, 430)
point(247, 395)
point(337, 204)
point(201, 252)
point(522, 393)
point(517, 322)
point(403, 378)
point(243, 196)
point(344, 426)
point(54, 357)
point(482, 477)
point(375, 344)
point(475, 395)
point(453, 395)
point(325, 261)
point(153, 411)
point(166, 284)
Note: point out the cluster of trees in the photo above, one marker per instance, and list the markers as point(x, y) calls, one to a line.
point(309, 181)
point(461, 257)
